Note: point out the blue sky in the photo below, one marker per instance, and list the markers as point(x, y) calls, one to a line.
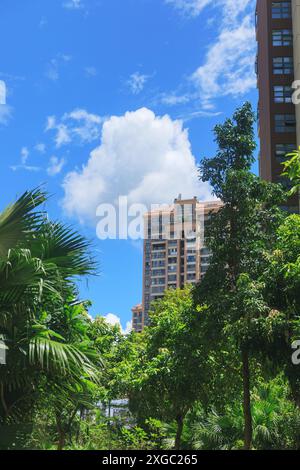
point(117, 97)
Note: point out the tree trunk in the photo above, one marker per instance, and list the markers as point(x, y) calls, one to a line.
point(3, 401)
point(61, 434)
point(179, 421)
point(247, 402)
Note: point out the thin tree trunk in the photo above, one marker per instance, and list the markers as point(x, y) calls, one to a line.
point(3, 401)
point(61, 434)
point(247, 402)
point(179, 421)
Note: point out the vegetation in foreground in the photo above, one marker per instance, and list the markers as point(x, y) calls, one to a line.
point(213, 371)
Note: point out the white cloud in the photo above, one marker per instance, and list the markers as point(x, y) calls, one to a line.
point(113, 319)
point(40, 147)
point(229, 64)
point(55, 165)
point(24, 155)
point(90, 71)
point(137, 82)
point(5, 114)
point(142, 156)
point(52, 70)
point(53, 67)
point(231, 8)
point(73, 4)
point(172, 99)
point(191, 7)
point(228, 67)
point(78, 125)
point(5, 110)
point(2, 93)
point(25, 167)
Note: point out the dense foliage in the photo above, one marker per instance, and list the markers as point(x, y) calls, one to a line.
point(214, 370)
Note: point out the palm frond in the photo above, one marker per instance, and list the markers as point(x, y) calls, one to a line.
point(19, 219)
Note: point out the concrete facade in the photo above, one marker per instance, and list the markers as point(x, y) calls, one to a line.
point(174, 251)
point(277, 26)
point(296, 32)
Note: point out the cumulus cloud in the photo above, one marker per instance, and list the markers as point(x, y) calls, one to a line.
point(55, 165)
point(145, 157)
point(78, 125)
point(228, 67)
point(113, 319)
point(137, 82)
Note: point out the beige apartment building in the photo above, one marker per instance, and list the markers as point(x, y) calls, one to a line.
point(174, 251)
point(137, 318)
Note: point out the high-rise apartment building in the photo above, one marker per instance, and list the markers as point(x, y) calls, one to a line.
point(137, 318)
point(296, 34)
point(278, 65)
point(174, 251)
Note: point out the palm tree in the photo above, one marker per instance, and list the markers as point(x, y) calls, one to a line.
point(39, 261)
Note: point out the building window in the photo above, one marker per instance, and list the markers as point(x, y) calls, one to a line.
point(282, 37)
point(191, 268)
point(283, 65)
point(172, 286)
point(158, 290)
point(158, 281)
point(191, 277)
point(281, 10)
point(285, 123)
point(283, 94)
point(172, 278)
point(158, 264)
point(172, 269)
point(281, 150)
point(158, 272)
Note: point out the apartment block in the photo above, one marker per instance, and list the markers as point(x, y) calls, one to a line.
point(174, 251)
point(277, 32)
point(137, 318)
point(296, 34)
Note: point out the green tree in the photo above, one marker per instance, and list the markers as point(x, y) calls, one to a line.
point(171, 372)
point(292, 171)
point(238, 236)
point(39, 262)
point(282, 279)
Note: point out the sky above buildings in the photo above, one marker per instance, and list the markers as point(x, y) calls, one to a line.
point(108, 98)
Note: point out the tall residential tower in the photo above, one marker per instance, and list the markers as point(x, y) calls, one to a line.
point(278, 65)
point(174, 251)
